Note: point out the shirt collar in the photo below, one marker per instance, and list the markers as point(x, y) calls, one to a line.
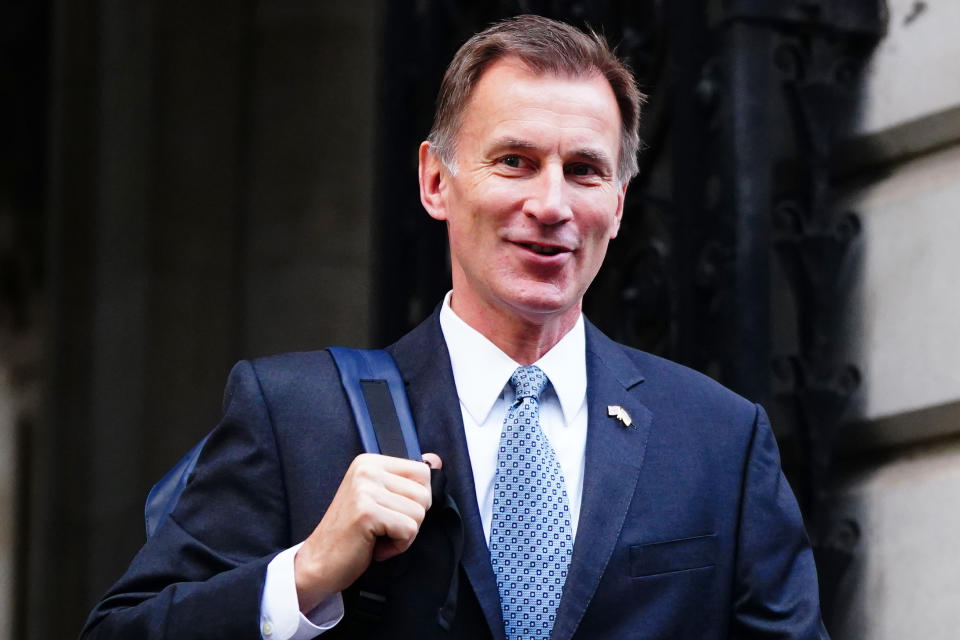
point(481, 369)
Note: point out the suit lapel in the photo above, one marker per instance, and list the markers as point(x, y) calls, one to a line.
point(425, 364)
point(613, 459)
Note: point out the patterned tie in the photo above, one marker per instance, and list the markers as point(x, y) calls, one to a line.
point(530, 538)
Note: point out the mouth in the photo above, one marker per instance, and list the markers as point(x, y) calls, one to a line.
point(542, 249)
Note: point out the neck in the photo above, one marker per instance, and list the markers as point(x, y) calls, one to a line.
point(523, 337)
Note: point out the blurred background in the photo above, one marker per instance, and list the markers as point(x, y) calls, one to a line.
point(184, 184)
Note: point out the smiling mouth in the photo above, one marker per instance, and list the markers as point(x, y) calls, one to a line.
point(541, 249)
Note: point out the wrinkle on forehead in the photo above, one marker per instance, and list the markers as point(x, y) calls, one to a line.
point(508, 95)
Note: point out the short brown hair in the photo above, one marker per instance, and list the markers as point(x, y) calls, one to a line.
point(545, 46)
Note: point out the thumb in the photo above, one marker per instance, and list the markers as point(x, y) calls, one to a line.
point(432, 460)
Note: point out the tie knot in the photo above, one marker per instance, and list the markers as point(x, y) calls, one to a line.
point(528, 382)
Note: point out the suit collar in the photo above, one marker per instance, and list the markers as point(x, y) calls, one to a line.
point(481, 369)
point(612, 355)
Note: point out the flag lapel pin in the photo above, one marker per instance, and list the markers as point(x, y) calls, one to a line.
point(618, 412)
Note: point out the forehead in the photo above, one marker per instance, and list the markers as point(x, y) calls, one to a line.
point(510, 96)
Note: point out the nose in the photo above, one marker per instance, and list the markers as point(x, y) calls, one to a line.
point(549, 200)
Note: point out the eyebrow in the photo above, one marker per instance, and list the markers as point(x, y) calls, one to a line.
point(511, 143)
point(595, 156)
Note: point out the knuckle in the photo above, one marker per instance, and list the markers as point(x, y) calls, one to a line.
point(410, 530)
point(367, 466)
point(419, 513)
point(360, 461)
point(424, 472)
point(366, 509)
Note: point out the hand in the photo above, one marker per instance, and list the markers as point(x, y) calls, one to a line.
point(375, 514)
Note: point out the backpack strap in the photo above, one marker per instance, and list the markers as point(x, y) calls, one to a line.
point(378, 399)
point(164, 495)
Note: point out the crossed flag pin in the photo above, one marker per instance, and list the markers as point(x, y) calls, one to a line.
point(618, 412)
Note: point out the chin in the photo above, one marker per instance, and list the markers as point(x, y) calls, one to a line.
point(542, 301)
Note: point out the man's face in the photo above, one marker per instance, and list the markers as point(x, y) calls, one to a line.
point(535, 198)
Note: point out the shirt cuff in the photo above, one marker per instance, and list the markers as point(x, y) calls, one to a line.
point(280, 617)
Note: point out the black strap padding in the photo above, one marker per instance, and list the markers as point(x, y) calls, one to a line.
point(444, 501)
point(383, 415)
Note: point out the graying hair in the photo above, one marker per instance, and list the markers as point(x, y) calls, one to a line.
point(544, 46)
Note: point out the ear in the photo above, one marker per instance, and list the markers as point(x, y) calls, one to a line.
point(618, 216)
point(432, 187)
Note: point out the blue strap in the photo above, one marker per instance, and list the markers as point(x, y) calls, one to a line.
point(358, 366)
point(164, 495)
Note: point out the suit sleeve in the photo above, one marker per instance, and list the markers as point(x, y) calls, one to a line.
point(776, 592)
point(202, 573)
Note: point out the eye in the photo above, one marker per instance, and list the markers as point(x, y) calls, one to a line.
point(582, 170)
point(514, 161)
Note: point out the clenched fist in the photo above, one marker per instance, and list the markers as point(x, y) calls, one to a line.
point(375, 514)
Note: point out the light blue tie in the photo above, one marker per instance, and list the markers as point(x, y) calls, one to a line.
point(531, 538)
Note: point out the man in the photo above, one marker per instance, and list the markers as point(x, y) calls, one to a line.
point(601, 492)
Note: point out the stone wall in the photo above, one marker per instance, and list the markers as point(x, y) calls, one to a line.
point(900, 463)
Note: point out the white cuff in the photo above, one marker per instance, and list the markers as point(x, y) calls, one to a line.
point(280, 617)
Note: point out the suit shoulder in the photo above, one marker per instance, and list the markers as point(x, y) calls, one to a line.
point(287, 372)
point(295, 361)
point(297, 389)
point(665, 378)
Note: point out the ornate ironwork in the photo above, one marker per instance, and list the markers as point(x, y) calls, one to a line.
point(819, 50)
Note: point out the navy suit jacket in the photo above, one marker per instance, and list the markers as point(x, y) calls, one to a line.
point(687, 528)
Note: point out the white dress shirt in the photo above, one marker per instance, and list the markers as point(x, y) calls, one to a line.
point(481, 372)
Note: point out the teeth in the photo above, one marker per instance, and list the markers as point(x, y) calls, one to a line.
point(544, 251)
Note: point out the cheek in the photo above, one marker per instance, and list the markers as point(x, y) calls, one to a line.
point(600, 224)
point(498, 193)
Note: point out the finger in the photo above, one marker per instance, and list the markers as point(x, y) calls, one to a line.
point(412, 469)
point(409, 489)
point(433, 460)
point(397, 526)
point(386, 548)
point(394, 503)
point(375, 468)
